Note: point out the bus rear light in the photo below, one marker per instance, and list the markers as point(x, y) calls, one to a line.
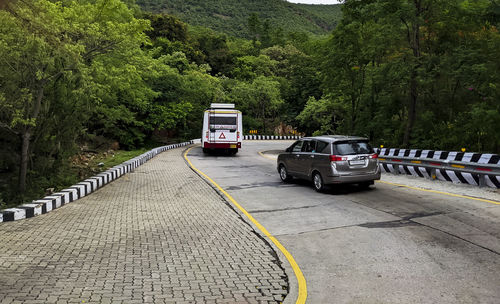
point(206, 136)
point(238, 134)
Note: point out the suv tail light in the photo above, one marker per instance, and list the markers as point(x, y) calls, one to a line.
point(334, 158)
point(374, 155)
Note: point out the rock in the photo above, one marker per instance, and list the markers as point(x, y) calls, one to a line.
point(115, 145)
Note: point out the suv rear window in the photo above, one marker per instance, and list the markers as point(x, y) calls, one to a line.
point(352, 147)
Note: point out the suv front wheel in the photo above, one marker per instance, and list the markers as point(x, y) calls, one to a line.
point(284, 174)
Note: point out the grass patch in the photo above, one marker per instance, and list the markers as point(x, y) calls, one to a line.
point(116, 158)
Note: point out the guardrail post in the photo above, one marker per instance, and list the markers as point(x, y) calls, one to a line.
point(432, 175)
point(396, 169)
point(482, 180)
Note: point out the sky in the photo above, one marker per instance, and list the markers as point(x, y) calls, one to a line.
point(315, 1)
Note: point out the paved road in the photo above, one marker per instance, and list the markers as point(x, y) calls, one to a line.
point(387, 244)
point(160, 234)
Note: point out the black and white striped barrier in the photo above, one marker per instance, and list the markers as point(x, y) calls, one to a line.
point(457, 167)
point(81, 189)
point(269, 137)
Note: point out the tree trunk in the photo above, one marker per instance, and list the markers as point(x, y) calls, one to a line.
point(414, 41)
point(373, 98)
point(353, 114)
point(353, 105)
point(264, 116)
point(26, 140)
point(412, 109)
point(26, 137)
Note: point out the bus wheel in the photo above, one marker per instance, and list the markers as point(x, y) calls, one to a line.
point(205, 150)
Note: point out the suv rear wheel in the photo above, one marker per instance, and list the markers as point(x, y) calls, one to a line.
point(318, 182)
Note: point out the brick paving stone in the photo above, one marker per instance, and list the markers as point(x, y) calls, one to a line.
point(160, 234)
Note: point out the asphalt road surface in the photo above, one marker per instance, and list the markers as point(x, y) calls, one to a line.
point(387, 244)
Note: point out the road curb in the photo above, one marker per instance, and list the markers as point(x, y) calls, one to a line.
point(81, 189)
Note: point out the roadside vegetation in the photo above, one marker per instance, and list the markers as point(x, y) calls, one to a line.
point(94, 76)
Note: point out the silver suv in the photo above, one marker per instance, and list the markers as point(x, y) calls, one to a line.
point(330, 159)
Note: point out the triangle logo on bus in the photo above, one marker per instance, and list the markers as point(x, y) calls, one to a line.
point(222, 136)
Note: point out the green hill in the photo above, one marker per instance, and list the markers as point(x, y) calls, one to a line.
point(231, 17)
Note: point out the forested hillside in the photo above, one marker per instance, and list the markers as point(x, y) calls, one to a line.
point(86, 75)
point(231, 17)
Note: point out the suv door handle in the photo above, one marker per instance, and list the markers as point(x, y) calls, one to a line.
point(312, 156)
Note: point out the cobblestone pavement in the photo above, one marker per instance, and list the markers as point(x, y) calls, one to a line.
point(159, 234)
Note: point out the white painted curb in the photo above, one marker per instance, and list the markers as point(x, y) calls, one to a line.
point(81, 189)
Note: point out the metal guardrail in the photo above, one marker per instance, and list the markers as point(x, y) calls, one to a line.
point(270, 137)
point(480, 172)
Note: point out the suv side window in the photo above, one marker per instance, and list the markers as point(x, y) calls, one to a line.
point(297, 146)
point(309, 146)
point(322, 147)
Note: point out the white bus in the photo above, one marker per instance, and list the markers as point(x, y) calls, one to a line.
point(222, 128)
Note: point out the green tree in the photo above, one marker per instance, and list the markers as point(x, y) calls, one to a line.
point(254, 26)
point(259, 99)
point(321, 116)
point(250, 67)
point(167, 26)
point(408, 72)
point(215, 48)
point(43, 42)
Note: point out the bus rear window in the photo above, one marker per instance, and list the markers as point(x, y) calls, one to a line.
point(218, 120)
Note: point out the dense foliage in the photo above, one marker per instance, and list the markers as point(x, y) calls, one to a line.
point(87, 73)
point(416, 73)
point(231, 16)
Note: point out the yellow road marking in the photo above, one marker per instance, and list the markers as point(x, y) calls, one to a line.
point(444, 193)
point(302, 296)
point(266, 156)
